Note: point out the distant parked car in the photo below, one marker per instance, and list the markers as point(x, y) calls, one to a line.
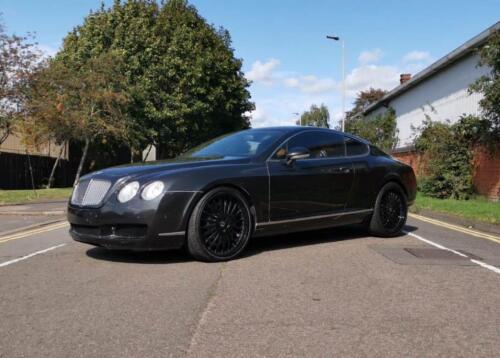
point(255, 182)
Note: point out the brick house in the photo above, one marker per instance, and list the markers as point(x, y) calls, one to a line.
point(440, 92)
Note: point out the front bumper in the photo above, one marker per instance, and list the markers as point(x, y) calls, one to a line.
point(120, 242)
point(136, 225)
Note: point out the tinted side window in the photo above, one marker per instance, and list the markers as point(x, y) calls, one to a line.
point(320, 145)
point(355, 147)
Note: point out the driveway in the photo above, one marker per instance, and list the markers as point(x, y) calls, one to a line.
point(326, 293)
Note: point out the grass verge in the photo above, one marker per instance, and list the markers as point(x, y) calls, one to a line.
point(26, 196)
point(477, 209)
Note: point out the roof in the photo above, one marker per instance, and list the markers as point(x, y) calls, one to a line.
point(289, 129)
point(297, 129)
point(440, 64)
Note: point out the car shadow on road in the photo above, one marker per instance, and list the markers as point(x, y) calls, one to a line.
point(308, 238)
point(139, 257)
point(255, 246)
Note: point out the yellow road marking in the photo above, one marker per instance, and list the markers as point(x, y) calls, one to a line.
point(461, 229)
point(21, 235)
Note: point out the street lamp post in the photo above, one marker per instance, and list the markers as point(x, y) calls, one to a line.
point(337, 38)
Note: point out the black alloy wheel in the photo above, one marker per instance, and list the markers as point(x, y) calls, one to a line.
point(220, 226)
point(390, 211)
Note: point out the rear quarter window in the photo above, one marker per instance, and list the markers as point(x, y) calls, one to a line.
point(375, 151)
point(355, 147)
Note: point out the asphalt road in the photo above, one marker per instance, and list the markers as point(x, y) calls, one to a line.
point(317, 294)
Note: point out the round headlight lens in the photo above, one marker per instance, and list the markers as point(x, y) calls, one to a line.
point(152, 190)
point(128, 192)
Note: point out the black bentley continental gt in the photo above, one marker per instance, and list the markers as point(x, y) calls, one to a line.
point(252, 183)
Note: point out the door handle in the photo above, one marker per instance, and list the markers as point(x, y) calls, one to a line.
point(342, 170)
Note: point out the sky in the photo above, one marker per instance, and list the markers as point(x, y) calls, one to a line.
point(284, 48)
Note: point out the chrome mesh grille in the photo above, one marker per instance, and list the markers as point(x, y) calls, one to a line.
point(90, 192)
point(79, 192)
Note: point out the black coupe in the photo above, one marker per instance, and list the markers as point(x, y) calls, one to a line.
point(252, 183)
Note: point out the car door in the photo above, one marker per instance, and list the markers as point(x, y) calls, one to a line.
point(368, 175)
point(318, 185)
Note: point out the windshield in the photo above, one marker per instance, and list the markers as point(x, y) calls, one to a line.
point(241, 144)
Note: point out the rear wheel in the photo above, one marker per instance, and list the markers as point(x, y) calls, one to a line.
point(390, 212)
point(220, 226)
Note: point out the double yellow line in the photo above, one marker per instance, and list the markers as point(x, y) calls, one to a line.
point(40, 230)
point(461, 229)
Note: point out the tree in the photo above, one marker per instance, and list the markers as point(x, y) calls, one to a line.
point(315, 116)
point(84, 103)
point(185, 83)
point(18, 58)
point(380, 130)
point(363, 100)
point(489, 86)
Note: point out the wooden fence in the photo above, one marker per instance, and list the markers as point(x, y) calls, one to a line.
point(15, 173)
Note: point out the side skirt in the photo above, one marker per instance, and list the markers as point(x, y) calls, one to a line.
point(311, 222)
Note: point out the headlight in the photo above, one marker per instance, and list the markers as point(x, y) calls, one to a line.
point(152, 190)
point(128, 192)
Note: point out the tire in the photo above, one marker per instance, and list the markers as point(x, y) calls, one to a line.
point(220, 226)
point(390, 212)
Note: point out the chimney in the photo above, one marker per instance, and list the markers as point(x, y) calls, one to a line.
point(404, 77)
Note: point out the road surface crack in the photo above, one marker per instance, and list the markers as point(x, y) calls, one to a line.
point(206, 310)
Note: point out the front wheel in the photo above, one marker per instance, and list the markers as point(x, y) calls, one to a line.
point(220, 226)
point(390, 212)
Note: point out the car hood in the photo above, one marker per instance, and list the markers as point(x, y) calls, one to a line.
point(138, 169)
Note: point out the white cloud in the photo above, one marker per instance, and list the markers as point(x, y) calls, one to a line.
point(295, 92)
point(417, 56)
point(266, 73)
point(280, 110)
point(371, 56)
point(47, 50)
point(364, 77)
point(263, 71)
point(260, 118)
point(292, 82)
point(311, 84)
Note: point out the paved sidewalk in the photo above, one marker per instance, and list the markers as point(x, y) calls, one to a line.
point(25, 216)
point(54, 207)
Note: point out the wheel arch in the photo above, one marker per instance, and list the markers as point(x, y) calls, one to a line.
point(394, 179)
point(213, 186)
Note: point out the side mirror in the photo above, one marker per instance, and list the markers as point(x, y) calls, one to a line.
point(296, 153)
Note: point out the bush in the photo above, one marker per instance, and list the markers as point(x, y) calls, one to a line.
point(449, 156)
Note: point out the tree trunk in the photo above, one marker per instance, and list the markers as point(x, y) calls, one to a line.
point(144, 157)
point(31, 173)
point(82, 161)
point(53, 172)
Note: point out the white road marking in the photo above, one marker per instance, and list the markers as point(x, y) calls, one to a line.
point(432, 243)
point(28, 233)
point(489, 267)
point(6, 263)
